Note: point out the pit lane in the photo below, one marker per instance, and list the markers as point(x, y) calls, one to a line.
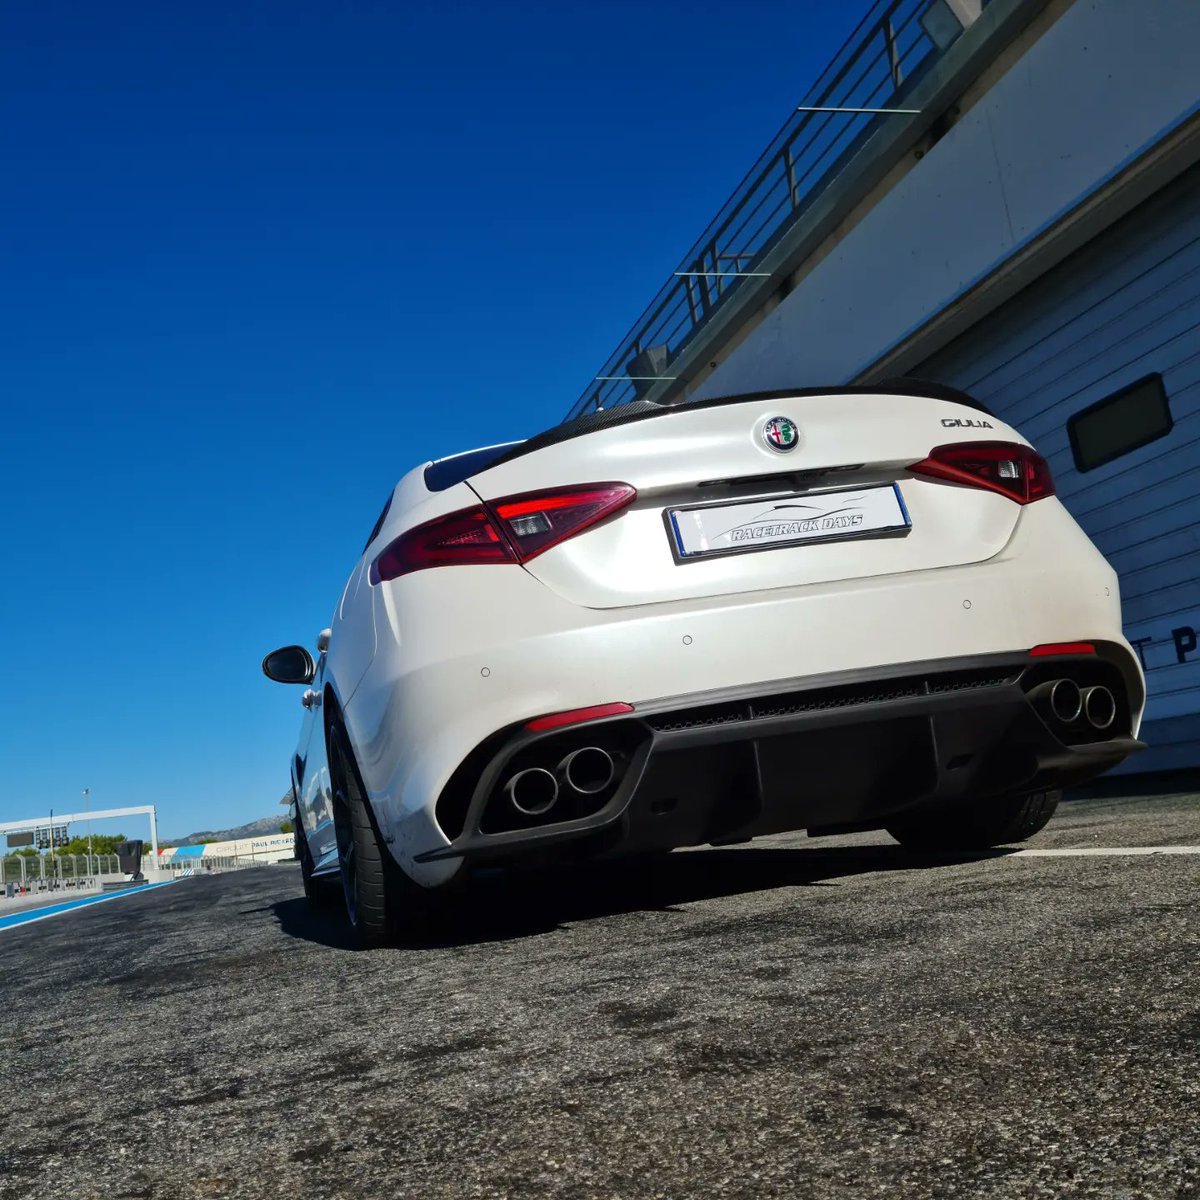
point(788, 1018)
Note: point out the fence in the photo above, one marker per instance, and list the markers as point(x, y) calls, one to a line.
point(209, 862)
point(57, 870)
point(43, 872)
point(881, 62)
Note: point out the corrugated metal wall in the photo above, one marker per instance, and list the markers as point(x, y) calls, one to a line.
point(1124, 306)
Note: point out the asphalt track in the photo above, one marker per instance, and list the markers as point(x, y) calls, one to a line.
point(23, 910)
point(792, 1018)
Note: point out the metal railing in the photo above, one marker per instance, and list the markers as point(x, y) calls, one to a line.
point(878, 65)
point(58, 870)
point(44, 872)
point(212, 862)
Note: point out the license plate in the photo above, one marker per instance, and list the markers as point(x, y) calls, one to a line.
point(710, 529)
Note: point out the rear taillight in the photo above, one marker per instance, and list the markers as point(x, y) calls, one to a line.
point(538, 520)
point(1013, 470)
point(467, 536)
point(512, 530)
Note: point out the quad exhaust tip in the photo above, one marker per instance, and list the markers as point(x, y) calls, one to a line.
point(1061, 698)
point(1099, 707)
point(587, 771)
point(532, 792)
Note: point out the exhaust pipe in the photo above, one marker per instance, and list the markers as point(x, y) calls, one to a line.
point(1061, 698)
point(1099, 707)
point(587, 771)
point(532, 792)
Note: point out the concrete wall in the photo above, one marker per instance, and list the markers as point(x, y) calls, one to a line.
point(276, 847)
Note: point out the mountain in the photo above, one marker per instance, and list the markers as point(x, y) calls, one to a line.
point(259, 828)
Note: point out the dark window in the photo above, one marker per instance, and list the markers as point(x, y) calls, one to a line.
point(379, 523)
point(1126, 420)
point(448, 471)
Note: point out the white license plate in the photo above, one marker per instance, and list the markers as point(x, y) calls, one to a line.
point(787, 521)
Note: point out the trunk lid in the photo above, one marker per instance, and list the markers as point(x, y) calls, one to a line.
point(720, 454)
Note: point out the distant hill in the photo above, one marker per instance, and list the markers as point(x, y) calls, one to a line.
point(259, 828)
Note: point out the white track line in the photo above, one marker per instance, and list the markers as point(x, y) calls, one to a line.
point(1103, 851)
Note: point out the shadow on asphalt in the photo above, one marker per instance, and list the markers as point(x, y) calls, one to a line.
point(507, 905)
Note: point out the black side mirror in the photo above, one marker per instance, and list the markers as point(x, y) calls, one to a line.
point(290, 664)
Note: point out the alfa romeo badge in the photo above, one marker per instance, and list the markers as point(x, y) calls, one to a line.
point(781, 434)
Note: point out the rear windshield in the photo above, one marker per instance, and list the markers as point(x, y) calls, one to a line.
point(446, 472)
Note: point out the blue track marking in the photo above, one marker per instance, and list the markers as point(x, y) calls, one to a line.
point(57, 910)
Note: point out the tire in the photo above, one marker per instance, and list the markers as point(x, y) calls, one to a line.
point(383, 905)
point(999, 822)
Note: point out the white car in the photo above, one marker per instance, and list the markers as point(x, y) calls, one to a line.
point(656, 626)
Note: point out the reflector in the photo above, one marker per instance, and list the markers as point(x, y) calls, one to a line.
point(577, 715)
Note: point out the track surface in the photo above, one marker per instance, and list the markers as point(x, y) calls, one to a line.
point(791, 1018)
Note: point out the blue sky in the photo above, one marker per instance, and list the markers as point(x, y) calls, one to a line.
point(257, 260)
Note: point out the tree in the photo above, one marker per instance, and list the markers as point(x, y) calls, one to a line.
point(102, 843)
point(287, 827)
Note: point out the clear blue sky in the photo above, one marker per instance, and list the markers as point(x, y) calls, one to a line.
point(259, 259)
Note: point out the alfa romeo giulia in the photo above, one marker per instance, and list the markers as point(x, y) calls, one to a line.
point(663, 626)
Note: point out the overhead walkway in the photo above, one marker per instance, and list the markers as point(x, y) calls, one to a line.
point(885, 92)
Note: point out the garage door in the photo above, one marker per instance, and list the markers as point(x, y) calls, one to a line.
point(1098, 364)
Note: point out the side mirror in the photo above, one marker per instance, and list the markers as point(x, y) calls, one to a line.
point(290, 664)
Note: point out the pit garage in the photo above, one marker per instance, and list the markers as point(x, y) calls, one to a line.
point(1098, 364)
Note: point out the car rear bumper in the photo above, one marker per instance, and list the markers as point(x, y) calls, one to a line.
point(469, 654)
point(841, 752)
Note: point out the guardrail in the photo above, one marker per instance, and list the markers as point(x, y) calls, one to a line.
point(44, 871)
point(879, 64)
point(67, 873)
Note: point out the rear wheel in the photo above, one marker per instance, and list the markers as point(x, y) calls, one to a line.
point(382, 903)
point(997, 822)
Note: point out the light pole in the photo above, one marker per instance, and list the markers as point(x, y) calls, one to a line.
point(86, 793)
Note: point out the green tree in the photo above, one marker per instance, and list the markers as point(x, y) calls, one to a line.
point(287, 827)
point(102, 843)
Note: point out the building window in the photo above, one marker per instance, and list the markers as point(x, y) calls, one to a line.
point(1125, 421)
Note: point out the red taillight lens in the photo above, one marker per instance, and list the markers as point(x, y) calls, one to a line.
point(1012, 470)
point(1049, 649)
point(512, 530)
point(538, 520)
point(462, 537)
